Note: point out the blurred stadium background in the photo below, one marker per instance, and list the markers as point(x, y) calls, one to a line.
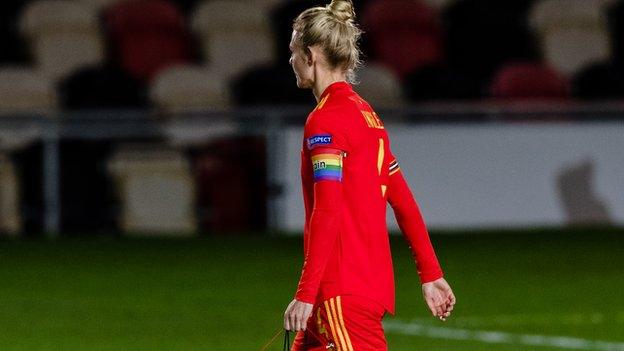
point(149, 186)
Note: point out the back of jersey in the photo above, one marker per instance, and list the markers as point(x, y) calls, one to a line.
point(362, 261)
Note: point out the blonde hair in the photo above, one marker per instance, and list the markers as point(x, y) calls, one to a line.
point(333, 28)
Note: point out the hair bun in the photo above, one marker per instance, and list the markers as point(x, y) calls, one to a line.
point(342, 10)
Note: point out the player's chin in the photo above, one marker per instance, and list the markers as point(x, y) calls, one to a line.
point(303, 84)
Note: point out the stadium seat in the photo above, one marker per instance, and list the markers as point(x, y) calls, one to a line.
point(573, 33)
point(63, 35)
point(234, 35)
point(380, 86)
point(25, 90)
point(189, 88)
point(529, 81)
point(99, 5)
point(147, 36)
point(156, 190)
point(403, 34)
point(10, 217)
point(231, 184)
point(267, 5)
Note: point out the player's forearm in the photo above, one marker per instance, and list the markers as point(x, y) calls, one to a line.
point(413, 227)
point(415, 232)
point(324, 226)
point(324, 231)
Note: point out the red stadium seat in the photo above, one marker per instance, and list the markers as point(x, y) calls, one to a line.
point(529, 81)
point(147, 36)
point(403, 34)
point(231, 184)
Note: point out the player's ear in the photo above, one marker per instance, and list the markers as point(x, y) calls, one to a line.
point(309, 55)
point(313, 53)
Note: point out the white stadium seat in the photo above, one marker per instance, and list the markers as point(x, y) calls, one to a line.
point(24, 90)
point(267, 4)
point(156, 189)
point(99, 4)
point(189, 88)
point(234, 35)
point(572, 33)
point(63, 36)
point(380, 86)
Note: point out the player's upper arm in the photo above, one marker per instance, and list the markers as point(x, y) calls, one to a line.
point(327, 145)
point(327, 164)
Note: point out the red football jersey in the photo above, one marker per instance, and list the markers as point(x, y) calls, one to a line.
point(348, 175)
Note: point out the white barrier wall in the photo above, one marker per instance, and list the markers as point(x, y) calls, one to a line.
point(508, 175)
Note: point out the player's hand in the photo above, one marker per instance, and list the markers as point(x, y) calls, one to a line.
point(439, 298)
point(296, 315)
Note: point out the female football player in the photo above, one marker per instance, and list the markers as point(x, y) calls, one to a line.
point(348, 174)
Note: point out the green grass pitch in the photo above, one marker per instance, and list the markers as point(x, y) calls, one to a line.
point(229, 293)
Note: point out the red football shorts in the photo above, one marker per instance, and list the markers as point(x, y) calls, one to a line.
point(343, 323)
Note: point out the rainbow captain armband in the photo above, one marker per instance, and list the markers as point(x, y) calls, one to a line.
point(327, 164)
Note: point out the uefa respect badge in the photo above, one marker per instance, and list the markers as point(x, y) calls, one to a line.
point(318, 140)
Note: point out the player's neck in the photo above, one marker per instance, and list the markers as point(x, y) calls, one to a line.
point(325, 80)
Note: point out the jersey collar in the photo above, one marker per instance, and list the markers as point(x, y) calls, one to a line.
point(334, 87)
